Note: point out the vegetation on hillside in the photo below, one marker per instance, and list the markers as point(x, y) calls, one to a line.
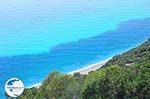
point(116, 82)
point(133, 56)
point(126, 76)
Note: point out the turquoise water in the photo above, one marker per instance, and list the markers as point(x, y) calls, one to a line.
point(28, 27)
point(32, 69)
point(42, 36)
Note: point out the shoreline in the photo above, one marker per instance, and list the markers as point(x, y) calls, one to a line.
point(37, 85)
point(85, 70)
point(89, 68)
point(92, 67)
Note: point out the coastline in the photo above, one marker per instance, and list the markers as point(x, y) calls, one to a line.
point(92, 67)
point(85, 70)
point(34, 86)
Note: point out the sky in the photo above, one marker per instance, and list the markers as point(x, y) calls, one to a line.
point(35, 26)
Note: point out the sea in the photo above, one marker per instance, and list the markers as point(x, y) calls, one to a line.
point(38, 37)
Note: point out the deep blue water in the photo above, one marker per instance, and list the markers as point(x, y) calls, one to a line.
point(70, 56)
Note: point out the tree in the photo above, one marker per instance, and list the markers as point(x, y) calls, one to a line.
point(120, 83)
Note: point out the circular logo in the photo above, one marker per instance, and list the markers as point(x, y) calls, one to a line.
point(14, 87)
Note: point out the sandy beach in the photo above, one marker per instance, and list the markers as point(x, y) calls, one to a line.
point(85, 70)
point(90, 68)
point(35, 85)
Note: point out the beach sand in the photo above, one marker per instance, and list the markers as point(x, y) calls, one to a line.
point(85, 70)
point(35, 86)
point(90, 68)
